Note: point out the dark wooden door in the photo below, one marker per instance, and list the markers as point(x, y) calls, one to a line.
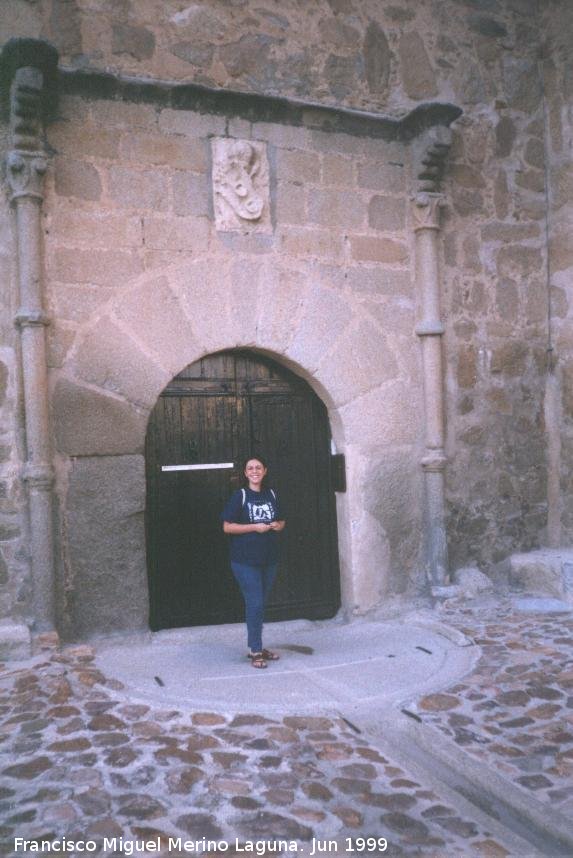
point(222, 409)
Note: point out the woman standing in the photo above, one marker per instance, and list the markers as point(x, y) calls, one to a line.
point(252, 518)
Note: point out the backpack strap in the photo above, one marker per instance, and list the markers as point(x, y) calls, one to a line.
point(244, 495)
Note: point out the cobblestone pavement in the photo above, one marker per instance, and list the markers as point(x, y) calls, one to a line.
point(80, 761)
point(515, 711)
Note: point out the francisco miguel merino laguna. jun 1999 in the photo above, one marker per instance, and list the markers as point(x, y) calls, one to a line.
point(257, 847)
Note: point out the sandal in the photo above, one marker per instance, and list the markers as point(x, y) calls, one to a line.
point(269, 655)
point(266, 654)
point(257, 660)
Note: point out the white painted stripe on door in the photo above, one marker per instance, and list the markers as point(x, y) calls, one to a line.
point(207, 467)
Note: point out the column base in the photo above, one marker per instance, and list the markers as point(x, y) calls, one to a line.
point(446, 591)
point(15, 641)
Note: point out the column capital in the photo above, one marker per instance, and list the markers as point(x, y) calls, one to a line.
point(426, 210)
point(25, 173)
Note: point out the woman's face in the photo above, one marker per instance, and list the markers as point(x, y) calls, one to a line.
point(255, 472)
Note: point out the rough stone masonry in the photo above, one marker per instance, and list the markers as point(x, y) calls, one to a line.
point(135, 263)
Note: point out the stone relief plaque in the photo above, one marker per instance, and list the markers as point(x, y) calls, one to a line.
point(241, 185)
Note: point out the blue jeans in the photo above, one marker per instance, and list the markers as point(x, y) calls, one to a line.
point(255, 583)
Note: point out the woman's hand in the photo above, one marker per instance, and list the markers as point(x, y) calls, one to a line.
point(277, 525)
point(262, 528)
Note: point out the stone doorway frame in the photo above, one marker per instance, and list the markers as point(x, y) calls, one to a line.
point(124, 357)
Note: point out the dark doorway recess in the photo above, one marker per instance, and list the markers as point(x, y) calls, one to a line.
point(221, 409)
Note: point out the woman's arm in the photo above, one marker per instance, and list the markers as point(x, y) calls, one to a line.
point(234, 528)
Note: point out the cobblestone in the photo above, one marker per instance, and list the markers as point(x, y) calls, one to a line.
point(512, 712)
point(79, 760)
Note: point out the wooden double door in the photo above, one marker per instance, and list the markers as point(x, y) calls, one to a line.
point(222, 409)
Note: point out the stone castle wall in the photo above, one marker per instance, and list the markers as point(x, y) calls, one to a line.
point(129, 199)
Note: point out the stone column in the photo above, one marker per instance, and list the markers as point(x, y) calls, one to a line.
point(31, 65)
point(429, 156)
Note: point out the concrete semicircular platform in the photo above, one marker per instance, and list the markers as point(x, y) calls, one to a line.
point(324, 666)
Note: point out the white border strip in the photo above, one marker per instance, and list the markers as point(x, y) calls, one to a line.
point(211, 467)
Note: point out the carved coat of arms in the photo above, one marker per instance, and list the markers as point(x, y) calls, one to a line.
point(241, 185)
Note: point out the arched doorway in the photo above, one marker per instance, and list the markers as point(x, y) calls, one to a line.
point(220, 410)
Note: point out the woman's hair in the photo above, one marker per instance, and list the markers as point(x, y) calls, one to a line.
point(249, 459)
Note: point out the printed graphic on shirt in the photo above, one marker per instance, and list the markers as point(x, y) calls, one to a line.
point(260, 512)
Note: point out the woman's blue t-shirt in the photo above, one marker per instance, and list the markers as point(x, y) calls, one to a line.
point(253, 549)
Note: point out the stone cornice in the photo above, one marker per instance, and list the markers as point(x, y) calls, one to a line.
point(257, 107)
point(252, 106)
